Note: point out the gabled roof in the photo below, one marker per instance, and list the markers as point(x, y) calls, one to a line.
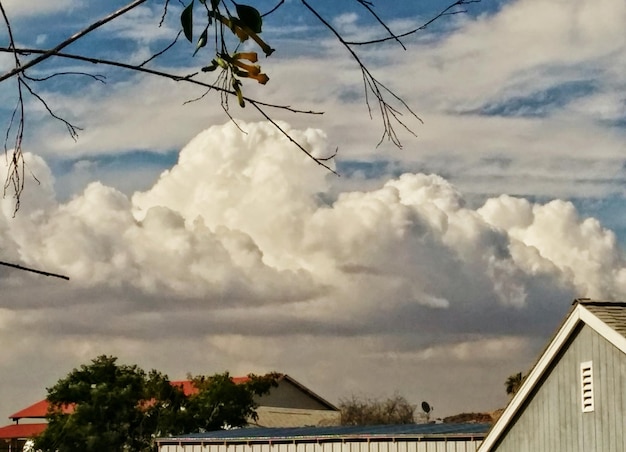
point(607, 318)
point(21, 431)
point(39, 410)
point(188, 388)
point(306, 390)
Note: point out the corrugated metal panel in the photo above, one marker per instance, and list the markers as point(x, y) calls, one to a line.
point(441, 444)
point(389, 432)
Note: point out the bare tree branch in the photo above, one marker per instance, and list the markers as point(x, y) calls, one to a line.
point(44, 56)
point(165, 49)
point(388, 113)
point(227, 84)
point(32, 270)
point(391, 116)
point(368, 6)
point(311, 156)
point(71, 128)
point(274, 9)
point(187, 78)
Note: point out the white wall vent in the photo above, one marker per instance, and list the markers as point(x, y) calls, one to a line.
point(586, 386)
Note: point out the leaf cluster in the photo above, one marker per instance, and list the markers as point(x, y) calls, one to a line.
point(105, 406)
point(246, 23)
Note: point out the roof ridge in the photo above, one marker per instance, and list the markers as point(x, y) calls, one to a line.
point(590, 302)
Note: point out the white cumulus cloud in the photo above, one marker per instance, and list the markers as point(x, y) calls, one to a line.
point(242, 240)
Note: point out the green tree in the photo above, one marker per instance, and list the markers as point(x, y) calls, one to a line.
point(108, 407)
point(513, 383)
point(367, 411)
point(220, 401)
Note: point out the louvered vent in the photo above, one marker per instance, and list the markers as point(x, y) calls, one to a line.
point(586, 379)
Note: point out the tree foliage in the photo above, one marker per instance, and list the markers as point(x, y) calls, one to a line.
point(464, 418)
point(367, 411)
point(220, 401)
point(105, 406)
point(513, 383)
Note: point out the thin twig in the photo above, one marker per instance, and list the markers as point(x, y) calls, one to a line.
point(445, 12)
point(97, 77)
point(71, 128)
point(161, 52)
point(311, 156)
point(392, 35)
point(278, 5)
point(167, 2)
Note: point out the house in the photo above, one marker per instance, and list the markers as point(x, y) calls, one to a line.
point(380, 438)
point(288, 404)
point(574, 398)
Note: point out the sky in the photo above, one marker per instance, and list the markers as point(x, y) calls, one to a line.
point(198, 244)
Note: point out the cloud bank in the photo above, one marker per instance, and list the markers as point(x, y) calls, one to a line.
point(243, 255)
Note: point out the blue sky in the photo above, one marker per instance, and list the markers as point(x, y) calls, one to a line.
point(439, 268)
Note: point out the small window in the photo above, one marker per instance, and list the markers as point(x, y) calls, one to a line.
point(586, 380)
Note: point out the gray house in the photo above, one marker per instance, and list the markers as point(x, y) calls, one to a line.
point(574, 398)
point(291, 404)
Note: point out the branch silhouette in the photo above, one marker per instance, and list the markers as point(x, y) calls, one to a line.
point(32, 270)
point(229, 28)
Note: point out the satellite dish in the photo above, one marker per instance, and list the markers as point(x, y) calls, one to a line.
point(426, 407)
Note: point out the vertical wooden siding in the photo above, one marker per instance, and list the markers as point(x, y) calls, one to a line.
point(451, 445)
point(553, 419)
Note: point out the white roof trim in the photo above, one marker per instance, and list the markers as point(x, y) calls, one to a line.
point(603, 329)
point(531, 380)
point(578, 314)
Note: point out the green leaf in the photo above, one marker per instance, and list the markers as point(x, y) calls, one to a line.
point(186, 20)
point(211, 67)
point(250, 17)
point(237, 87)
point(201, 41)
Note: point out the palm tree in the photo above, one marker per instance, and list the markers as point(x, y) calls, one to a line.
point(513, 383)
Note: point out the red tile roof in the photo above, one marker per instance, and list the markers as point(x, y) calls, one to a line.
point(21, 431)
point(36, 411)
point(188, 387)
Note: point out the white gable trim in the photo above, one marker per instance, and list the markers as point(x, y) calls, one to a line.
point(531, 380)
point(603, 329)
point(578, 314)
